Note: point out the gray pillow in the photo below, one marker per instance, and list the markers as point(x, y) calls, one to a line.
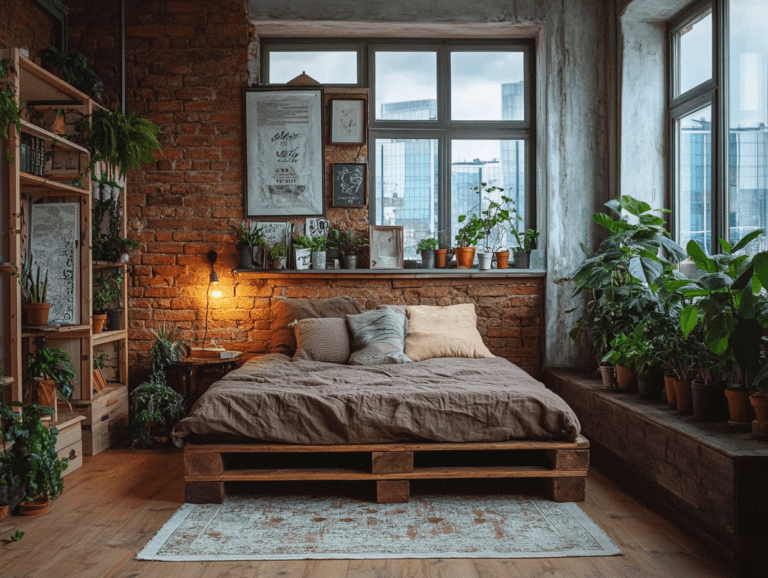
point(378, 337)
point(324, 339)
point(286, 311)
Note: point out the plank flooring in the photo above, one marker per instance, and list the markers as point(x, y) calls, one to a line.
point(116, 502)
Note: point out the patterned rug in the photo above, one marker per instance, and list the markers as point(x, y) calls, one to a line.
point(291, 528)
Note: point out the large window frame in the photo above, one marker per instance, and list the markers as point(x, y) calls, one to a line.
point(443, 129)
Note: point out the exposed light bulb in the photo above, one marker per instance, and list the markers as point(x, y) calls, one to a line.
point(216, 294)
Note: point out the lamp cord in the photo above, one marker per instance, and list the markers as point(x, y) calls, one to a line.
point(207, 303)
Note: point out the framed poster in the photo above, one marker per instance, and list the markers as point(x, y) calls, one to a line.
point(53, 235)
point(348, 121)
point(386, 244)
point(350, 185)
point(284, 152)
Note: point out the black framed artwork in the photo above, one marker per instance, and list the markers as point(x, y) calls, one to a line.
point(350, 185)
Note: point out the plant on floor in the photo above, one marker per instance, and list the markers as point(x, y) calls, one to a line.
point(107, 244)
point(153, 405)
point(121, 141)
point(168, 350)
point(53, 363)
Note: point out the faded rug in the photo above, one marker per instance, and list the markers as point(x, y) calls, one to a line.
point(291, 528)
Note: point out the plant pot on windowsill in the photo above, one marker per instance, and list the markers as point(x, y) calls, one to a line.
point(608, 375)
point(669, 387)
point(485, 260)
point(318, 259)
point(349, 262)
point(245, 257)
point(114, 319)
point(36, 313)
point(502, 259)
point(626, 378)
point(465, 257)
point(684, 397)
point(522, 259)
point(98, 322)
point(739, 408)
point(428, 259)
point(441, 258)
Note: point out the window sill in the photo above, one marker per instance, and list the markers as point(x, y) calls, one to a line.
point(391, 273)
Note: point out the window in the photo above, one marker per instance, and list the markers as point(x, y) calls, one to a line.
point(444, 117)
point(719, 115)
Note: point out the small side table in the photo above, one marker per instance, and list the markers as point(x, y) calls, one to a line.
point(188, 371)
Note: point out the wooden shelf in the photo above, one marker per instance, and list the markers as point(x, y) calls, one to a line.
point(48, 186)
point(107, 264)
point(6, 268)
point(387, 273)
point(39, 84)
point(49, 136)
point(56, 330)
point(6, 380)
point(109, 336)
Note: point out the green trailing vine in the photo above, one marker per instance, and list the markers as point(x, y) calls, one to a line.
point(107, 244)
point(122, 141)
point(10, 108)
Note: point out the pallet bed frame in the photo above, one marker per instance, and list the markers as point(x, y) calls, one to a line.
point(562, 465)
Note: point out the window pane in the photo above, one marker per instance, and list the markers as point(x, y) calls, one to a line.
point(748, 134)
point(406, 188)
point(406, 85)
point(695, 54)
point(487, 86)
point(499, 163)
point(694, 178)
point(324, 67)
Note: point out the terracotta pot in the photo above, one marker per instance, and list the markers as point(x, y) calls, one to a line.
point(46, 392)
point(759, 402)
point(98, 322)
point(37, 313)
point(502, 259)
point(465, 257)
point(626, 378)
point(739, 408)
point(4, 512)
point(684, 397)
point(36, 507)
point(669, 388)
point(608, 373)
point(650, 386)
point(705, 398)
point(441, 258)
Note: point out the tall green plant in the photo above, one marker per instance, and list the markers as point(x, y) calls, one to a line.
point(107, 244)
point(122, 141)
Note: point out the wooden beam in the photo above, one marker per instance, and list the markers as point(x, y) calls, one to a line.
point(567, 489)
point(393, 492)
point(391, 462)
point(204, 492)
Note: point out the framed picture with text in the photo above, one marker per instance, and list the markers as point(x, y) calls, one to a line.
point(348, 121)
point(284, 152)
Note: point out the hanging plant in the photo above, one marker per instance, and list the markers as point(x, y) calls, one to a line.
point(10, 109)
point(122, 141)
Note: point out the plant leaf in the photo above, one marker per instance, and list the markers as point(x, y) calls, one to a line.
point(644, 269)
point(696, 253)
point(688, 318)
point(746, 240)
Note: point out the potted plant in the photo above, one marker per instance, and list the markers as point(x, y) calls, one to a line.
point(107, 243)
point(626, 349)
point(248, 238)
point(318, 246)
point(55, 368)
point(34, 293)
point(466, 240)
point(106, 291)
point(351, 246)
point(75, 69)
point(12, 490)
point(498, 219)
point(333, 245)
point(154, 407)
point(121, 141)
point(303, 251)
point(427, 249)
point(525, 242)
point(278, 256)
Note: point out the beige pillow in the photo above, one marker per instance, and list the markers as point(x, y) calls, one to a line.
point(324, 339)
point(443, 332)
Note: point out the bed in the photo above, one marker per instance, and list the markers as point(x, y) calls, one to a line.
point(440, 417)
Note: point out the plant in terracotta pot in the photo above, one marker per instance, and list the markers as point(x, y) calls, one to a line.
point(278, 256)
point(106, 292)
point(427, 248)
point(498, 218)
point(55, 368)
point(625, 352)
point(733, 312)
point(34, 293)
point(466, 240)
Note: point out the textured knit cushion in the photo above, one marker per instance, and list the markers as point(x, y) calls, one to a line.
point(378, 337)
point(443, 332)
point(322, 340)
point(286, 311)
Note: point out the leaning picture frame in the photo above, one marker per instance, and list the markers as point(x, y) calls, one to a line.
point(348, 121)
point(284, 152)
point(386, 246)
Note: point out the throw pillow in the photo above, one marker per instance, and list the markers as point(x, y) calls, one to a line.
point(443, 332)
point(286, 311)
point(378, 337)
point(323, 339)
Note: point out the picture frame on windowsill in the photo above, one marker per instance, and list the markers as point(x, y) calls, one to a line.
point(386, 246)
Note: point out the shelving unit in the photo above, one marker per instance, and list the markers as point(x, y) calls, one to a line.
point(32, 84)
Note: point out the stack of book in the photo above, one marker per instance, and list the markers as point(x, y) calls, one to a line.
point(32, 155)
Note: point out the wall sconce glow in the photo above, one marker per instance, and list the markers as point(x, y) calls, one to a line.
point(216, 294)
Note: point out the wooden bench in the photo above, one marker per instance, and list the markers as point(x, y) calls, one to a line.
point(563, 465)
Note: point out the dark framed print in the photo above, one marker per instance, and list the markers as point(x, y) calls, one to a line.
point(386, 244)
point(348, 122)
point(350, 185)
point(284, 152)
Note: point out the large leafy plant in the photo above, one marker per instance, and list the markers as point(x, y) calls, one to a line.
point(76, 69)
point(153, 404)
point(122, 141)
point(53, 363)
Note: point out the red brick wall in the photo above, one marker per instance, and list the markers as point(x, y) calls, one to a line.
point(187, 65)
point(23, 24)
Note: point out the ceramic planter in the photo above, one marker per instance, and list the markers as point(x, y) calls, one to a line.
point(278, 263)
point(12, 496)
point(502, 259)
point(318, 259)
point(465, 257)
point(669, 388)
point(739, 408)
point(245, 257)
point(98, 321)
point(37, 313)
point(441, 258)
point(485, 260)
point(303, 259)
point(349, 262)
point(626, 378)
point(114, 319)
point(428, 259)
point(705, 398)
point(650, 386)
point(684, 398)
point(331, 254)
point(608, 374)
point(522, 259)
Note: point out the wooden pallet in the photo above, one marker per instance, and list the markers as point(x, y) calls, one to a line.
point(562, 465)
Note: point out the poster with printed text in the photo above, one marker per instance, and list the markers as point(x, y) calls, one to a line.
point(284, 152)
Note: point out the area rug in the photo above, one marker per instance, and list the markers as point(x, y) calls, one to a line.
point(300, 528)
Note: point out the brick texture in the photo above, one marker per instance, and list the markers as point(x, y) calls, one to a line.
point(186, 68)
point(24, 24)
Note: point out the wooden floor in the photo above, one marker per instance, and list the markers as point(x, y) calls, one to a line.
point(118, 500)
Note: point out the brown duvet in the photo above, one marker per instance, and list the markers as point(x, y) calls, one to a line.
point(273, 399)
